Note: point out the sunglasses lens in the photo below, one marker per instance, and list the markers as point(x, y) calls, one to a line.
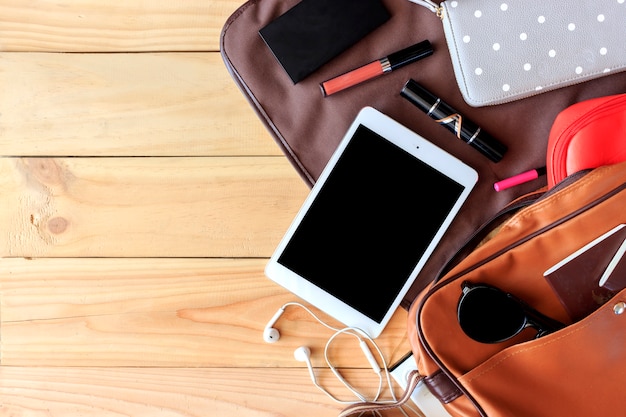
point(488, 315)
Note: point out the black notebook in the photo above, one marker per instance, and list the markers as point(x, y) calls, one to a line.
point(314, 31)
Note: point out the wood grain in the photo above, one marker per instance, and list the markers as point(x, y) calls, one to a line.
point(160, 312)
point(170, 104)
point(154, 207)
point(140, 198)
point(100, 26)
point(138, 392)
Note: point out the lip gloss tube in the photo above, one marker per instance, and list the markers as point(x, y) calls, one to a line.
point(376, 68)
point(466, 130)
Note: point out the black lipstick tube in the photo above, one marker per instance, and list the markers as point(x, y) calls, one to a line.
point(445, 115)
point(409, 55)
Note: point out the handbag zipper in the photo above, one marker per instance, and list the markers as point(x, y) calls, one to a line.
point(499, 218)
point(430, 5)
point(483, 231)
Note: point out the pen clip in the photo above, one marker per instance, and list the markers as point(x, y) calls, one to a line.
point(613, 264)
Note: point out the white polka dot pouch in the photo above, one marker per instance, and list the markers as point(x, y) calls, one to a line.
point(505, 50)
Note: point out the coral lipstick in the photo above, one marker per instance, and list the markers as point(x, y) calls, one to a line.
point(377, 68)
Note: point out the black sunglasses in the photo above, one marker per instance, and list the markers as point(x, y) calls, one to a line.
point(490, 315)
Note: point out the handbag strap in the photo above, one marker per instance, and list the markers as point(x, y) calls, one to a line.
point(414, 378)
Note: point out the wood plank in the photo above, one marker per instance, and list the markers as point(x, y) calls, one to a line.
point(141, 197)
point(154, 207)
point(160, 313)
point(81, 392)
point(173, 104)
point(97, 26)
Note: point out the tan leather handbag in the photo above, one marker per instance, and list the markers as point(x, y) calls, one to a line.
point(495, 337)
point(578, 370)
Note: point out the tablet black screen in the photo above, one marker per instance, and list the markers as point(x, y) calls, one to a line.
point(370, 223)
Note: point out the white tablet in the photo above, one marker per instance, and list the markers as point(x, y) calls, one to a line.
point(370, 222)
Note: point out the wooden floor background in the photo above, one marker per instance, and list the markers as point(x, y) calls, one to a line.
point(141, 198)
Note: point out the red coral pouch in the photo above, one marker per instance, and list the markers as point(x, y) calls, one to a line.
point(587, 135)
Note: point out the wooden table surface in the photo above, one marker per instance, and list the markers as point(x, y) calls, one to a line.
point(141, 198)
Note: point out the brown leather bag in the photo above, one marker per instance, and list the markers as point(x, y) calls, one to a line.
point(308, 126)
point(576, 371)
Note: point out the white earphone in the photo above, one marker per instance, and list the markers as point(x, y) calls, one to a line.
point(303, 354)
point(270, 334)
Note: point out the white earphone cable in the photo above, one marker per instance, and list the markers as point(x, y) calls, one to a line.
point(360, 335)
